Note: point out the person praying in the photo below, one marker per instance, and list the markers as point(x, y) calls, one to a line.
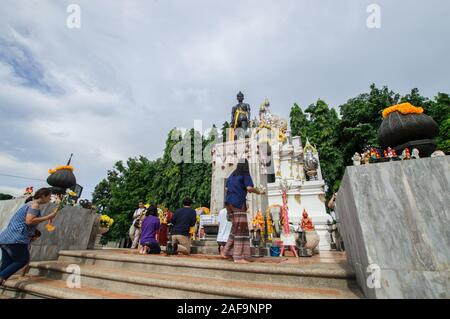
point(149, 232)
point(239, 183)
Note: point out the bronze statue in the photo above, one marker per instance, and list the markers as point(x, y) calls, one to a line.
point(240, 114)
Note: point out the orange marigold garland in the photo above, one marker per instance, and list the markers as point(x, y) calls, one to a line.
point(404, 108)
point(69, 167)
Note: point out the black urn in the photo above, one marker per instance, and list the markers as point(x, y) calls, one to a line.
point(401, 131)
point(62, 178)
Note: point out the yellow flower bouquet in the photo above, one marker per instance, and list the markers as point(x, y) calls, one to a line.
point(106, 221)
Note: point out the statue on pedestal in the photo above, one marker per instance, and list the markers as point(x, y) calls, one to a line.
point(308, 239)
point(307, 224)
point(240, 114)
point(310, 161)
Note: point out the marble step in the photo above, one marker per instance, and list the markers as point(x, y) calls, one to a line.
point(180, 286)
point(38, 287)
point(205, 250)
point(269, 270)
point(203, 243)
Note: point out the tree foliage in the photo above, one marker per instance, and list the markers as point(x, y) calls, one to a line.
point(338, 138)
point(319, 125)
point(162, 181)
point(166, 182)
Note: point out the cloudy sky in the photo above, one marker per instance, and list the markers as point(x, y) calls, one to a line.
point(113, 88)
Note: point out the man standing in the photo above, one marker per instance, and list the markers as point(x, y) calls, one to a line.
point(182, 220)
point(135, 229)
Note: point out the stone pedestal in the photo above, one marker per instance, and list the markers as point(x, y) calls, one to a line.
point(206, 246)
point(394, 218)
point(76, 229)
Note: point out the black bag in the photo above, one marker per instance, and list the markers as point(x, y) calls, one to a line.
point(171, 249)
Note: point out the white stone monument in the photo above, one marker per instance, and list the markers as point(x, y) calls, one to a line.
point(305, 192)
point(298, 166)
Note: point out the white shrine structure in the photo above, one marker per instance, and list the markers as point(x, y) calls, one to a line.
point(287, 161)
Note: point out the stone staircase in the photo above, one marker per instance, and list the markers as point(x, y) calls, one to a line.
point(204, 247)
point(122, 274)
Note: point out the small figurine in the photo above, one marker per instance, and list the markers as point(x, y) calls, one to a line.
point(438, 153)
point(307, 224)
point(29, 191)
point(385, 154)
point(394, 154)
point(405, 154)
point(415, 153)
point(366, 157)
point(356, 159)
point(373, 153)
point(391, 154)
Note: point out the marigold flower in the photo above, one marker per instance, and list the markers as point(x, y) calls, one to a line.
point(404, 108)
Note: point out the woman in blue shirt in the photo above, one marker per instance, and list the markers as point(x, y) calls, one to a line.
point(15, 239)
point(239, 183)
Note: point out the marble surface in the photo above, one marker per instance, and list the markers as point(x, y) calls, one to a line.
point(76, 228)
point(397, 215)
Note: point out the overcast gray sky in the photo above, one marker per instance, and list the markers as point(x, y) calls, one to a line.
point(115, 87)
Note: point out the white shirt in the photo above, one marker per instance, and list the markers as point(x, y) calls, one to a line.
point(224, 226)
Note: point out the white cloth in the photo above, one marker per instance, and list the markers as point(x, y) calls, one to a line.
point(137, 214)
point(224, 226)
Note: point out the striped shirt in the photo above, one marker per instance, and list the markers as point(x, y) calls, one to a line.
point(17, 231)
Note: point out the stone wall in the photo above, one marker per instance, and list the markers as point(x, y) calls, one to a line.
point(396, 216)
point(76, 229)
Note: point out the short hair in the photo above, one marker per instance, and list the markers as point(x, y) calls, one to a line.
point(187, 202)
point(29, 199)
point(152, 210)
point(42, 192)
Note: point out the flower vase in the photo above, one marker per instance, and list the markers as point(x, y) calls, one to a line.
point(101, 232)
point(312, 240)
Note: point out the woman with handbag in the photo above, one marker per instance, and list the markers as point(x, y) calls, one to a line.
point(135, 228)
point(239, 183)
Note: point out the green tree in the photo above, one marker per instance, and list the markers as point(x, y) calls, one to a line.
point(165, 181)
point(299, 122)
point(360, 119)
point(322, 132)
point(225, 126)
point(440, 111)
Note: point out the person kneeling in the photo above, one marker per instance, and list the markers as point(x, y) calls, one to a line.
point(149, 232)
point(150, 248)
point(182, 220)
